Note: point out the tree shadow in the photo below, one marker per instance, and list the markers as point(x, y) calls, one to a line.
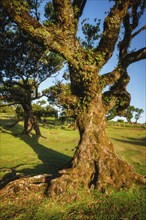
point(6, 126)
point(51, 161)
point(135, 141)
point(11, 174)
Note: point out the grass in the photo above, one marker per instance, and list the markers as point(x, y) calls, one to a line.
point(130, 145)
point(126, 205)
point(33, 156)
point(28, 156)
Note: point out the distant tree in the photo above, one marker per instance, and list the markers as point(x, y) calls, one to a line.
point(138, 114)
point(38, 110)
point(111, 114)
point(129, 113)
point(60, 96)
point(6, 109)
point(50, 111)
point(43, 111)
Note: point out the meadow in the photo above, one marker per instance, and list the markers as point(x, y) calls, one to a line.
point(23, 155)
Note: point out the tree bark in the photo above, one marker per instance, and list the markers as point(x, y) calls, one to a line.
point(30, 123)
point(95, 164)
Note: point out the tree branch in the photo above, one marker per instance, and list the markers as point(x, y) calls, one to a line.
point(117, 95)
point(111, 77)
point(135, 56)
point(130, 22)
point(18, 12)
point(64, 13)
point(78, 6)
point(139, 31)
point(111, 31)
point(37, 97)
point(54, 37)
point(125, 43)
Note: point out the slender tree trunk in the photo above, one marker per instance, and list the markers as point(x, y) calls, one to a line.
point(30, 123)
point(95, 164)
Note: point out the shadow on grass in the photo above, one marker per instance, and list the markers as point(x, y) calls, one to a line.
point(133, 141)
point(51, 161)
point(6, 124)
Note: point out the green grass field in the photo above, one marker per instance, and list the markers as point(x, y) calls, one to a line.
point(28, 156)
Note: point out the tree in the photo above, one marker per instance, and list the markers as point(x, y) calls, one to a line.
point(60, 96)
point(43, 111)
point(23, 67)
point(111, 114)
point(95, 163)
point(138, 114)
point(129, 113)
point(6, 109)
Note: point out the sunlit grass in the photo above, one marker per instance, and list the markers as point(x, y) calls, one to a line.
point(96, 206)
point(32, 155)
point(29, 156)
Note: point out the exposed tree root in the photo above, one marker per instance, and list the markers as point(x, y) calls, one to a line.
point(102, 175)
point(25, 187)
point(68, 186)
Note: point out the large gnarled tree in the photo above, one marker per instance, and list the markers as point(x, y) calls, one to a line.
point(95, 163)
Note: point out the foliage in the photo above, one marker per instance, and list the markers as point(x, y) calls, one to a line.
point(130, 113)
point(138, 114)
point(91, 33)
point(19, 111)
point(84, 62)
point(60, 95)
point(44, 111)
point(24, 65)
point(6, 109)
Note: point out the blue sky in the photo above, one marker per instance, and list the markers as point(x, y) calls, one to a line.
point(137, 71)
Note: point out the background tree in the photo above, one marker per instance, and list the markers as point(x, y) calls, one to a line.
point(38, 110)
point(95, 163)
point(43, 111)
point(60, 96)
point(6, 109)
point(138, 114)
point(111, 114)
point(23, 67)
point(129, 113)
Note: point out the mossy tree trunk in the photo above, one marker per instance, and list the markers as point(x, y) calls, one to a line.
point(95, 164)
point(30, 122)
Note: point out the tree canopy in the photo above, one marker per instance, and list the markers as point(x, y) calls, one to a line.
point(23, 66)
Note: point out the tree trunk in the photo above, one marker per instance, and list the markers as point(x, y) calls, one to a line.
point(30, 123)
point(95, 164)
